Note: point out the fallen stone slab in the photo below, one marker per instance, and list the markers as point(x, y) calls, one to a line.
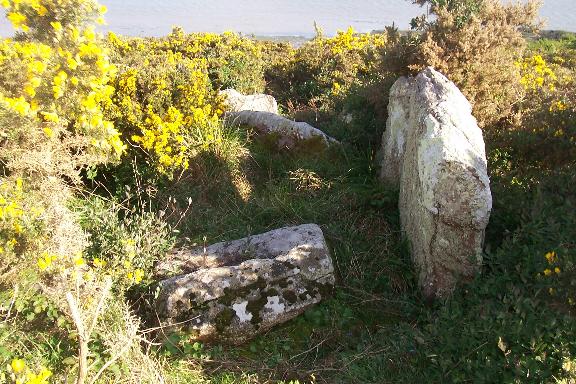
point(434, 152)
point(236, 102)
point(232, 291)
point(289, 132)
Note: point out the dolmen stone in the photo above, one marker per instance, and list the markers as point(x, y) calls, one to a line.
point(230, 292)
point(290, 133)
point(236, 102)
point(434, 153)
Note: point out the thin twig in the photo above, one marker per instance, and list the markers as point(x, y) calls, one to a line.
point(105, 291)
point(82, 341)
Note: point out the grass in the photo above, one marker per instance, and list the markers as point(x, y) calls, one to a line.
point(503, 327)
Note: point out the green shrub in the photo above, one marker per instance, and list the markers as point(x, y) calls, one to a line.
point(123, 243)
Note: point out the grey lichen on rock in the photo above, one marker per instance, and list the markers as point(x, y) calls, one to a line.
point(233, 291)
point(236, 102)
point(433, 151)
point(290, 133)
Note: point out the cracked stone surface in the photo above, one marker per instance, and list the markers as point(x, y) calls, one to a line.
point(289, 132)
point(236, 102)
point(232, 291)
point(434, 152)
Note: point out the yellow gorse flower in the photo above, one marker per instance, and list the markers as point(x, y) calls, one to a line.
point(18, 20)
point(51, 117)
point(551, 257)
point(16, 104)
point(135, 276)
point(45, 261)
point(98, 263)
point(535, 73)
point(18, 365)
point(56, 25)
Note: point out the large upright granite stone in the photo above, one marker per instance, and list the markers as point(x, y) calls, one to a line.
point(237, 102)
point(232, 291)
point(433, 151)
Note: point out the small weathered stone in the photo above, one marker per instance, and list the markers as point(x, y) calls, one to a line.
point(237, 102)
point(288, 131)
point(233, 291)
point(433, 151)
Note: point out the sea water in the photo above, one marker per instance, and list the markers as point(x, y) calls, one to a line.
point(280, 17)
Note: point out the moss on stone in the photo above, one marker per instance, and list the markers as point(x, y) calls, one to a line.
point(254, 307)
point(231, 294)
point(223, 320)
point(290, 296)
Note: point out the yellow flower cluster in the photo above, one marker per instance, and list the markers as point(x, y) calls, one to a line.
point(552, 259)
point(552, 269)
point(219, 49)
point(336, 88)
point(84, 272)
point(35, 16)
point(232, 61)
point(335, 64)
point(161, 102)
point(15, 218)
point(66, 76)
point(350, 40)
point(536, 73)
point(24, 375)
point(558, 106)
point(46, 260)
point(162, 136)
point(33, 57)
point(135, 275)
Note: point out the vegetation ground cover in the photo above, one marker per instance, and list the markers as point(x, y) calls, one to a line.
point(113, 151)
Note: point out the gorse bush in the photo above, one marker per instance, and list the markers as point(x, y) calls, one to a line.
point(232, 61)
point(139, 120)
point(326, 68)
point(164, 104)
point(52, 117)
point(54, 91)
point(543, 132)
point(462, 10)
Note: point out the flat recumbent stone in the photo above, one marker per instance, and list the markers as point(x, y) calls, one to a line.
point(232, 291)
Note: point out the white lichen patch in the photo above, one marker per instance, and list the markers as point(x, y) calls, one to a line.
point(241, 311)
point(207, 278)
point(275, 305)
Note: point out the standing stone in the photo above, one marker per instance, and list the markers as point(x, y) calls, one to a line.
point(433, 151)
point(233, 291)
point(237, 102)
